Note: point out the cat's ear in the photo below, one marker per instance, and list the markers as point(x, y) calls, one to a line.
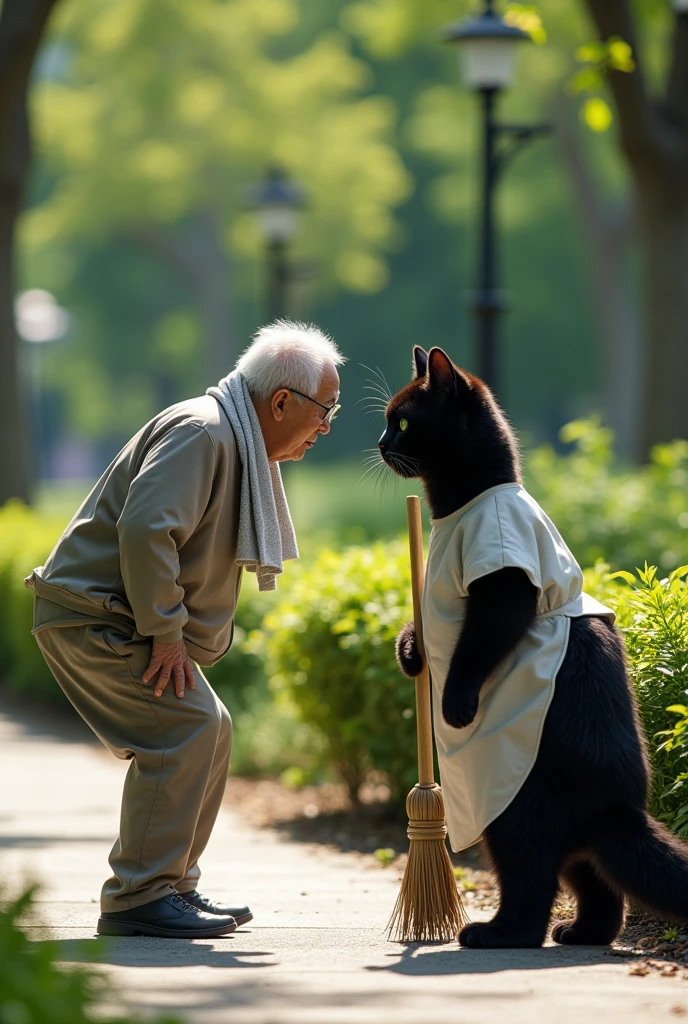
point(420, 361)
point(441, 372)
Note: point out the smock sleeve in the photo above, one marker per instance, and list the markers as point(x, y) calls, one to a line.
point(504, 535)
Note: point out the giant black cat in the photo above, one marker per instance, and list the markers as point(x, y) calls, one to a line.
point(580, 817)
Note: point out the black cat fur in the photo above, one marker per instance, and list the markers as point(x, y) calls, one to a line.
point(580, 817)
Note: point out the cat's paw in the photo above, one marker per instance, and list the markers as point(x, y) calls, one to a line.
point(490, 935)
point(575, 933)
point(410, 661)
point(459, 706)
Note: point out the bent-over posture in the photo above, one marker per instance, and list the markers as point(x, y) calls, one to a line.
point(141, 590)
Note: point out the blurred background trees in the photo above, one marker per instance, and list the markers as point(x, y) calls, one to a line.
point(154, 120)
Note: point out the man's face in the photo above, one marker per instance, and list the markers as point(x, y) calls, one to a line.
point(300, 422)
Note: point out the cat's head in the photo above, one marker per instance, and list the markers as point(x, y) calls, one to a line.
point(446, 421)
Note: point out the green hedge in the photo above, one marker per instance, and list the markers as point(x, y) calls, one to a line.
point(329, 650)
point(26, 540)
point(36, 989)
point(624, 516)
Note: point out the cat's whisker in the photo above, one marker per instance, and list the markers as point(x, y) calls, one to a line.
point(369, 473)
point(380, 384)
point(381, 378)
point(377, 393)
point(385, 383)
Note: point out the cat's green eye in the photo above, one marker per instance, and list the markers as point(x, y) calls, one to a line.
point(403, 424)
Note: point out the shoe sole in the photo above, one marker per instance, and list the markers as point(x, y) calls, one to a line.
point(131, 928)
point(243, 919)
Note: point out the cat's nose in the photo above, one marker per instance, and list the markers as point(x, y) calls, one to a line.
point(382, 444)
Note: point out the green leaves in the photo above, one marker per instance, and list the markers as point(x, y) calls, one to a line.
point(598, 59)
point(653, 615)
point(36, 989)
point(597, 114)
point(527, 18)
point(330, 651)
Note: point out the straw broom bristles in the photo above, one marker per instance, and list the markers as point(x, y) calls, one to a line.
point(428, 907)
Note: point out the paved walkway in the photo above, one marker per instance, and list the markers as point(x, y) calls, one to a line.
point(315, 953)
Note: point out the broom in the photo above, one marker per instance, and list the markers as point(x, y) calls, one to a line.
point(428, 907)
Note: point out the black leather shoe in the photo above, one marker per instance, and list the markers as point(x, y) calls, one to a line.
point(242, 915)
point(168, 918)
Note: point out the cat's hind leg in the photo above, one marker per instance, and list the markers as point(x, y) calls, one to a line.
point(528, 881)
point(600, 913)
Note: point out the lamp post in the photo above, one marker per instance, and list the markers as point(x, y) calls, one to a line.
point(488, 47)
point(40, 320)
point(279, 202)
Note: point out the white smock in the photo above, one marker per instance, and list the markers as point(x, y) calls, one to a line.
point(483, 766)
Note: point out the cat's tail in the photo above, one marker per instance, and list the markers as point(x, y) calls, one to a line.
point(640, 856)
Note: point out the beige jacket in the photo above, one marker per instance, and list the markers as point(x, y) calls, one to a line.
point(154, 544)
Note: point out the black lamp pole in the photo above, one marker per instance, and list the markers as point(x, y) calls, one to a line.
point(278, 202)
point(278, 278)
point(487, 305)
point(489, 51)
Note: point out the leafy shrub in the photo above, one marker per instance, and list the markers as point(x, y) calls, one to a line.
point(652, 614)
point(269, 736)
point(26, 540)
point(625, 517)
point(329, 648)
point(34, 989)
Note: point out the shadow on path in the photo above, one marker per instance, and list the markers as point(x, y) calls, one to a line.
point(418, 960)
point(147, 952)
point(40, 721)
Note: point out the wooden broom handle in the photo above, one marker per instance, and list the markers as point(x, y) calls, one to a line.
point(426, 775)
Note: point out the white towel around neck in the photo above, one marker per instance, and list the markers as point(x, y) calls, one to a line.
point(266, 533)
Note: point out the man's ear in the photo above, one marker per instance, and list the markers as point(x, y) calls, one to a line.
point(420, 361)
point(278, 403)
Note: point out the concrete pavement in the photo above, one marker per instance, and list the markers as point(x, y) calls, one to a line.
point(316, 952)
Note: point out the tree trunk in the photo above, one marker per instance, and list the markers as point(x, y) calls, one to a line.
point(663, 214)
point(608, 229)
point(22, 23)
point(653, 137)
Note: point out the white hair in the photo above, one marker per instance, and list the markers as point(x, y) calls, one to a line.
point(286, 354)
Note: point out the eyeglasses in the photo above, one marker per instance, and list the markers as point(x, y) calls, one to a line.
point(330, 410)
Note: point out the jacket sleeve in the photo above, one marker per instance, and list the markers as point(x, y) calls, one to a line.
point(164, 505)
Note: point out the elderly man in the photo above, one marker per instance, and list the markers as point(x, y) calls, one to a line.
point(142, 588)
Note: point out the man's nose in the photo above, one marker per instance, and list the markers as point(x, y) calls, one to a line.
point(325, 427)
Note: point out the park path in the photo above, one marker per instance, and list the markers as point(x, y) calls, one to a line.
point(315, 953)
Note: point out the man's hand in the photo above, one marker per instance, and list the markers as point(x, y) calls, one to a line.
point(170, 659)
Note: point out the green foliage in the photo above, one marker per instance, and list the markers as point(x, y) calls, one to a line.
point(598, 58)
point(625, 517)
point(329, 648)
point(652, 614)
point(153, 120)
point(35, 989)
point(270, 738)
point(26, 539)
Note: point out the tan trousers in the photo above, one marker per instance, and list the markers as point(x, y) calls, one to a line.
point(179, 751)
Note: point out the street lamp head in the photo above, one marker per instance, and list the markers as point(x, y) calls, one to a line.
point(488, 49)
point(279, 202)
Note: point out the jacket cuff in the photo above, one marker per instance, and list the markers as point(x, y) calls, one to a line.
point(169, 638)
